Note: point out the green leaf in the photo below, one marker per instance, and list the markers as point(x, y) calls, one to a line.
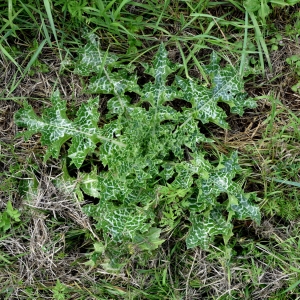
point(204, 228)
point(92, 59)
point(120, 223)
point(186, 134)
point(89, 183)
point(99, 247)
point(5, 222)
point(161, 67)
point(244, 209)
point(56, 128)
point(148, 241)
point(59, 291)
point(220, 181)
point(159, 92)
point(204, 105)
point(227, 87)
point(292, 2)
point(252, 5)
point(264, 10)
point(13, 213)
point(115, 83)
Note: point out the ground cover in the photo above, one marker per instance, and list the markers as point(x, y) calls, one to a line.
point(189, 229)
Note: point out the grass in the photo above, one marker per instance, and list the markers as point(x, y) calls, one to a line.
point(46, 254)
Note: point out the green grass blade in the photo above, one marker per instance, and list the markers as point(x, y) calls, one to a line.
point(2, 258)
point(3, 50)
point(49, 14)
point(10, 23)
point(29, 9)
point(260, 41)
point(294, 285)
point(244, 51)
point(119, 25)
point(118, 11)
point(10, 9)
point(29, 65)
point(192, 55)
point(184, 62)
point(293, 183)
point(47, 36)
point(35, 56)
point(160, 16)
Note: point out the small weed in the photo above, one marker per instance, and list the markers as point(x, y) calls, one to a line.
point(294, 62)
point(8, 217)
point(276, 42)
point(59, 291)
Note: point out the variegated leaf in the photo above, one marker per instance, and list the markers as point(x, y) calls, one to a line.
point(120, 223)
point(204, 105)
point(220, 181)
point(227, 86)
point(56, 128)
point(159, 92)
point(116, 83)
point(89, 183)
point(242, 208)
point(92, 59)
point(205, 227)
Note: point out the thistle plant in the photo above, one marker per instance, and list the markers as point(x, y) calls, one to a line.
point(156, 171)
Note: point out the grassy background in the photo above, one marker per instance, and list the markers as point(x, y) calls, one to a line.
point(44, 254)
